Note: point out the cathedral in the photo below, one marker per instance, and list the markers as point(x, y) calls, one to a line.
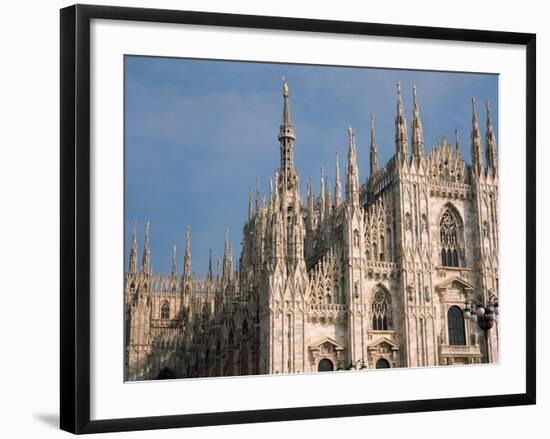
point(369, 274)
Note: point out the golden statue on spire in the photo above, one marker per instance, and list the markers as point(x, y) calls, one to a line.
point(285, 87)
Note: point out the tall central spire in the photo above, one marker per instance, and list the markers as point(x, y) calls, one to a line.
point(287, 175)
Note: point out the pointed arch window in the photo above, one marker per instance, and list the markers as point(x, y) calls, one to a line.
point(455, 323)
point(448, 238)
point(165, 311)
point(381, 311)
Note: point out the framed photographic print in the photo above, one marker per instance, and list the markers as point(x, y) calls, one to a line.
point(249, 201)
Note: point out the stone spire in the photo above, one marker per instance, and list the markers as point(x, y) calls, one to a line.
point(174, 262)
point(296, 240)
point(401, 145)
point(490, 143)
point(337, 185)
point(257, 193)
point(250, 211)
point(457, 143)
point(328, 200)
point(210, 277)
point(226, 275)
point(187, 257)
point(352, 174)
point(287, 175)
point(146, 260)
point(417, 136)
point(230, 264)
point(310, 205)
point(373, 149)
point(322, 197)
point(477, 158)
point(133, 251)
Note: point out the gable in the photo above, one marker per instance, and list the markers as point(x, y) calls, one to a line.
point(329, 341)
point(455, 283)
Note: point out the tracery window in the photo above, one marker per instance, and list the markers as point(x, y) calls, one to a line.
point(165, 311)
point(455, 323)
point(381, 311)
point(448, 239)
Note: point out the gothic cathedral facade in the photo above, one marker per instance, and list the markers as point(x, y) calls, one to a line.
point(371, 275)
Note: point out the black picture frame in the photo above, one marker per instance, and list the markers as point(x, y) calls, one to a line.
point(75, 217)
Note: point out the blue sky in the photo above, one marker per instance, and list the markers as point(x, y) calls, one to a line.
point(199, 132)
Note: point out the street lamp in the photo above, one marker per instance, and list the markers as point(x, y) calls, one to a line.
point(484, 316)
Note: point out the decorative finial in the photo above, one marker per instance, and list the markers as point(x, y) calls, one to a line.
point(456, 139)
point(414, 91)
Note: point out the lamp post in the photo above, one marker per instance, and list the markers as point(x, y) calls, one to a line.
point(485, 316)
point(358, 365)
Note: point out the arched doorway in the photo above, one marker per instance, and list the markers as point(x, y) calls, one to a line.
point(382, 363)
point(325, 365)
point(166, 374)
